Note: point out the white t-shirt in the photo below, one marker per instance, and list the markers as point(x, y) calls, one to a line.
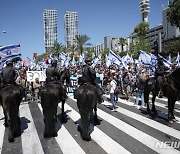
point(113, 86)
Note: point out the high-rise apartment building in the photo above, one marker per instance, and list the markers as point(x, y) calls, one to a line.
point(70, 27)
point(50, 28)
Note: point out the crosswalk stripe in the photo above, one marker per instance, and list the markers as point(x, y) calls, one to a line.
point(108, 144)
point(66, 142)
point(2, 128)
point(164, 99)
point(30, 140)
point(161, 105)
point(144, 138)
point(147, 121)
point(130, 103)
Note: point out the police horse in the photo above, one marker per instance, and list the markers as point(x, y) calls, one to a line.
point(171, 89)
point(51, 95)
point(10, 99)
point(87, 99)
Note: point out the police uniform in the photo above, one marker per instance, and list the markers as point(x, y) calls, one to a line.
point(88, 73)
point(52, 72)
point(89, 76)
point(8, 74)
point(160, 72)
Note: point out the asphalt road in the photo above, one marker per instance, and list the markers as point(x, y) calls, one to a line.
point(129, 130)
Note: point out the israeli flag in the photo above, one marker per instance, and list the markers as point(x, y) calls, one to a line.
point(169, 58)
point(126, 60)
point(9, 52)
point(108, 61)
point(147, 59)
point(167, 63)
point(115, 59)
point(178, 60)
point(73, 62)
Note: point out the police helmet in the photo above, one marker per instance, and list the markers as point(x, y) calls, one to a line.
point(88, 60)
point(9, 63)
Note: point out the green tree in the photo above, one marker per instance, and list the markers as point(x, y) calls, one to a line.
point(139, 44)
point(81, 41)
point(141, 29)
point(173, 12)
point(103, 54)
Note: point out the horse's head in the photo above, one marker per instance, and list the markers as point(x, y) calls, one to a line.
point(65, 76)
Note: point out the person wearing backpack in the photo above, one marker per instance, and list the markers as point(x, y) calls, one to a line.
point(126, 84)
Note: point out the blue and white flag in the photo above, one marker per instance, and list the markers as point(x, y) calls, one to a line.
point(108, 61)
point(147, 59)
point(115, 59)
point(126, 60)
point(9, 52)
point(178, 60)
point(166, 62)
point(73, 62)
point(169, 58)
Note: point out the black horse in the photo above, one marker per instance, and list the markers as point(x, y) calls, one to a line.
point(10, 99)
point(87, 99)
point(51, 94)
point(171, 89)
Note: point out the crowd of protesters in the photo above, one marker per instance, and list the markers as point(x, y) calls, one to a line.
point(130, 81)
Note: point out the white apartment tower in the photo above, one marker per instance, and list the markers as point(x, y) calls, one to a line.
point(70, 27)
point(50, 28)
point(144, 9)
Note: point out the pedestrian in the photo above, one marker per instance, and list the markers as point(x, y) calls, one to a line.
point(141, 79)
point(112, 87)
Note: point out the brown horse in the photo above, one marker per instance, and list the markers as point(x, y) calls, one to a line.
point(87, 99)
point(10, 98)
point(171, 89)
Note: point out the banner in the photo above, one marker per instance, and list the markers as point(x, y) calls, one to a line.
point(32, 75)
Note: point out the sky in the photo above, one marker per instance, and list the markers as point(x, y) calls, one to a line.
point(23, 20)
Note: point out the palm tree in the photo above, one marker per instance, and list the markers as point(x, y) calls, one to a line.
point(122, 42)
point(57, 49)
point(81, 41)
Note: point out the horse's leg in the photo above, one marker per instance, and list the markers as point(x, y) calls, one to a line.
point(146, 99)
point(153, 103)
point(96, 120)
point(5, 119)
point(62, 110)
point(85, 122)
point(10, 133)
point(171, 104)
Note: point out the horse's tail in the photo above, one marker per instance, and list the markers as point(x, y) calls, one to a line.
point(12, 113)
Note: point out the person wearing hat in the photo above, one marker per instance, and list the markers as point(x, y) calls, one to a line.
point(52, 72)
point(8, 74)
point(88, 73)
point(89, 76)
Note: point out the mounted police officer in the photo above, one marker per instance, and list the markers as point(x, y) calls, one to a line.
point(52, 73)
point(53, 76)
point(161, 71)
point(8, 74)
point(89, 76)
point(88, 73)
